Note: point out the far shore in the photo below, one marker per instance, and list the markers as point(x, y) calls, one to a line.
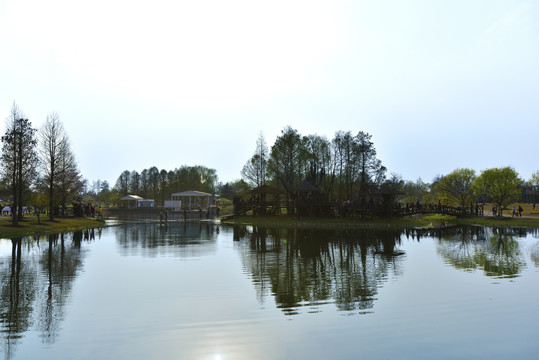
point(31, 227)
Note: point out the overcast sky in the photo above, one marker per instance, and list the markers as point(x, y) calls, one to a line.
point(439, 85)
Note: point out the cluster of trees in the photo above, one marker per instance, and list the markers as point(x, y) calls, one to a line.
point(38, 167)
point(346, 168)
point(463, 187)
point(158, 184)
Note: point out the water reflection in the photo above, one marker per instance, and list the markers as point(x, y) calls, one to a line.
point(301, 270)
point(496, 251)
point(36, 282)
point(170, 239)
point(305, 268)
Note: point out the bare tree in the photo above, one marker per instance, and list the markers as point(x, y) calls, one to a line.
point(70, 184)
point(122, 184)
point(52, 144)
point(255, 170)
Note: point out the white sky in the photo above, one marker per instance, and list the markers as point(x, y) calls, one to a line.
point(439, 84)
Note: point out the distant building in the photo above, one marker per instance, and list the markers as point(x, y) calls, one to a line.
point(146, 203)
point(173, 205)
point(193, 200)
point(135, 201)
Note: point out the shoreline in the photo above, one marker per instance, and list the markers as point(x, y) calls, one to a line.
point(416, 221)
point(30, 227)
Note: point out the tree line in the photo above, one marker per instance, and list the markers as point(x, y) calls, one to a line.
point(159, 185)
point(463, 187)
point(38, 167)
point(346, 169)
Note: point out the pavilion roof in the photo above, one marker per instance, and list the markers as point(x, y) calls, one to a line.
point(131, 198)
point(191, 193)
point(265, 189)
point(307, 186)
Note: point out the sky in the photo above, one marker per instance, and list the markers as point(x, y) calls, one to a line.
point(439, 85)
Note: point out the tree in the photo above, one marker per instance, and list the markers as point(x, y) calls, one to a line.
point(287, 160)
point(122, 184)
point(322, 163)
point(415, 191)
point(19, 159)
point(231, 189)
point(153, 174)
point(371, 170)
point(358, 169)
point(134, 183)
point(456, 187)
point(255, 170)
point(70, 184)
point(500, 185)
point(534, 182)
point(395, 184)
point(343, 144)
point(52, 137)
point(163, 175)
point(144, 183)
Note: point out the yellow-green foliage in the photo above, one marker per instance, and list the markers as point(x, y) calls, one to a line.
point(226, 206)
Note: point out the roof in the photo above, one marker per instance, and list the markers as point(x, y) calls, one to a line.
point(307, 186)
point(131, 198)
point(192, 193)
point(265, 189)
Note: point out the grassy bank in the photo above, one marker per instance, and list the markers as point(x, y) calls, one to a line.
point(427, 221)
point(30, 226)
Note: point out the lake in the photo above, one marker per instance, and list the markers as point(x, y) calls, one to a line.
point(201, 290)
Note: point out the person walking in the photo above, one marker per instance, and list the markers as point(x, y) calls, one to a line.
point(520, 210)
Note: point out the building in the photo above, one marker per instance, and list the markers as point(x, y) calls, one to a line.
point(193, 200)
point(135, 201)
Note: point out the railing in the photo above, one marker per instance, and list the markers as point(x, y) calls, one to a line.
point(477, 210)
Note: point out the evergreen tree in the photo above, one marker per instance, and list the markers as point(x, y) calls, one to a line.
point(19, 159)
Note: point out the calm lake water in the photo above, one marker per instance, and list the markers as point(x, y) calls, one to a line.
point(207, 291)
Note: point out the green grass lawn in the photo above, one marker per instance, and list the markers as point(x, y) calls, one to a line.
point(29, 226)
point(528, 209)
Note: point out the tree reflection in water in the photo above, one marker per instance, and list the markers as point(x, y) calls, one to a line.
point(311, 267)
point(307, 267)
point(534, 251)
point(174, 239)
point(36, 282)
point(496, 251)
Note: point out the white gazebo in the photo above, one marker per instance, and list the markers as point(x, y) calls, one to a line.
point(192, 200)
